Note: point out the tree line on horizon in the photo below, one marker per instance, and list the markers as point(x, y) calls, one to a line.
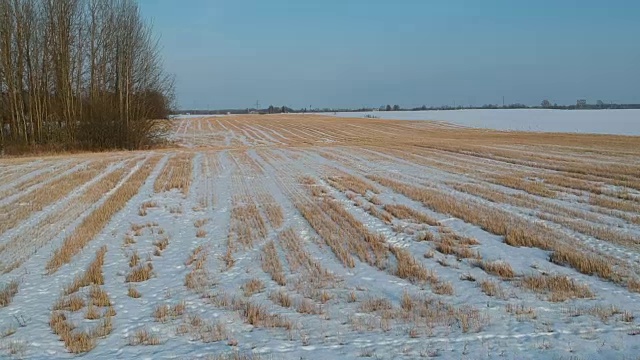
point(275, 110)
point(79, 74)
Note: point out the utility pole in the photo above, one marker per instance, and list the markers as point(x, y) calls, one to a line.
point(257, 105)
point(503, 101)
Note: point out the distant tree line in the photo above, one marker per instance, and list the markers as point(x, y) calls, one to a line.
point(279, 110)
point(79, 74)
point(544, 105)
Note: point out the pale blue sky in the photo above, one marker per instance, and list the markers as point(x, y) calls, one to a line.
point(353, 53)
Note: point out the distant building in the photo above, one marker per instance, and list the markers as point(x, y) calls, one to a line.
point(581, 103)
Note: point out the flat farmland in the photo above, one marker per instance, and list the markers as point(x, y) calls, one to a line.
point(315, 237)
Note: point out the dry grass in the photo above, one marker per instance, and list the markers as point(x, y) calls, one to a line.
point(297, 257)
point(459, 252)
point(132, 292)
point(443, 288)
point(274, 214)
point(368, 247)
point(272, 209)
point(163, 313)
point(72, 303)
point(492, 288)
point(271, 263)
point(382, 215)
point(91, 226)
point(23, 245)
point(375, 200)
point(144, 337)
point(584, 263)
point(140, 273)
point(7, 293)
point(81, 341)
point(161, 244)
point(448, 235)
point(498, 268)
point(200, 233)
point(346, 182)
point(493, 220)
point(202, 330)
point(521, 311)
point(75, 342)
point(326, 229)
point(572, 183)
point(258, 316)
point(325, 297)
point(409, 268)
point(306, 306)
point(451, 243)
point(176, 174)
point(407, 213)
point(134, 260)
point(419, 310)
point(128, 240)
point(547, 208)
point(54, 191)
point(145, 206)
point(99, 297)
point(375, 304)
point(524, 237)
point(7, 331)
point(92, 313)
point(602, 232)
point(197, 279)
point(615, 204)
point(603, 312)
point(196, 255)
point(92, 276)
point(517, 232)
point(281, 298)
point(558, 288)
point(532, 187)
point(312, 278)
point(247, 224)
point(633, 285)
point(200, 223)
point(48, 172)
point(227, 258)
point(252, 286)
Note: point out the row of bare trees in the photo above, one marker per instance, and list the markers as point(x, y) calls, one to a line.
point(79, 74)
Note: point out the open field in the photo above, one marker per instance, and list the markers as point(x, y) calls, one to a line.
point(617, 122)
point(305, 236)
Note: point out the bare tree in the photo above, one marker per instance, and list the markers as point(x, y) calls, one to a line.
point(79, 74)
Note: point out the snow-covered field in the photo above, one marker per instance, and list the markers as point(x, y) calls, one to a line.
point(193, 116)
point(289, 237)
point(620, 122)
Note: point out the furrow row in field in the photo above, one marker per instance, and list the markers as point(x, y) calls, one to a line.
point(176, 174)
point(58, 217)
point(50, 193)
point(556, 211)
point(95, 222)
